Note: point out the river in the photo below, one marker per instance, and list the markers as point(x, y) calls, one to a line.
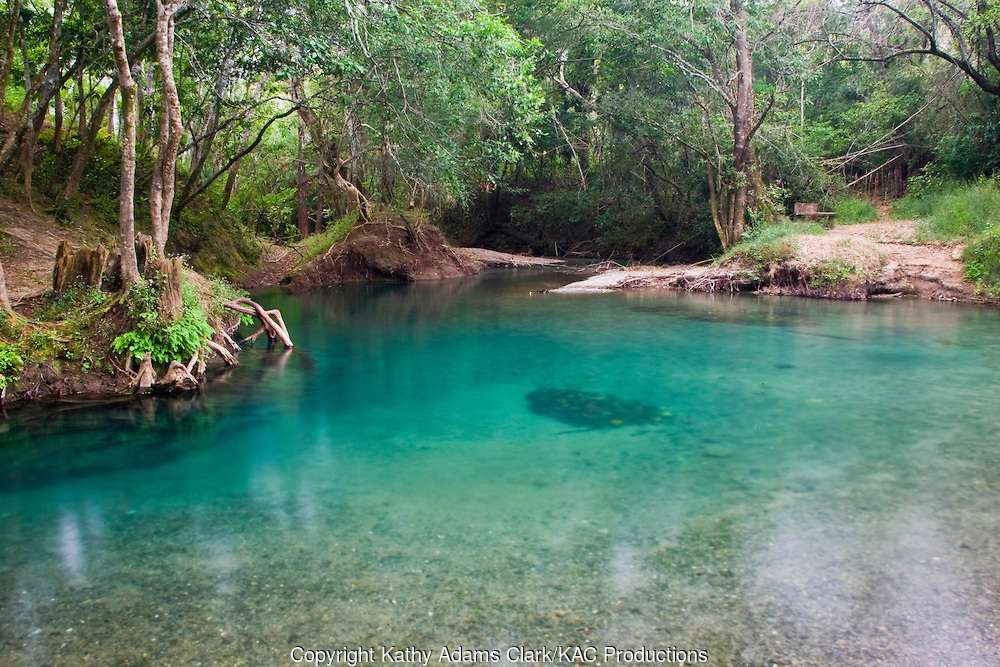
point(476, 465)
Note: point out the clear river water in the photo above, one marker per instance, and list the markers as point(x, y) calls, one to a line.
point(476, 466)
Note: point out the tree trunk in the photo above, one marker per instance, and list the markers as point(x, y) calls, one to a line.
point(57, 123)
point(126, 196)
point(161, 198)
point(4, 297)
point(17, 127)
point(51, 82)
point(82, 95)
point(24, 57)
point(300, 186)
point(320, 203)
point(8, 61)
point(743, 116)
point(88, 142)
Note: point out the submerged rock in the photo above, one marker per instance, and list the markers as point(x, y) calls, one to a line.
point(589, 410)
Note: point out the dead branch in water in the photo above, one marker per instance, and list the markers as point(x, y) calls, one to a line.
point(271, 320)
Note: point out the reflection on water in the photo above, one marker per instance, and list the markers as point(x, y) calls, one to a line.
point(825, 491)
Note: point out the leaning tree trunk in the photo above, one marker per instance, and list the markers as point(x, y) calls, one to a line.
point(302, 208)
point(51, 82)
point(202, 150)
point(126, 196)
point(86, 148)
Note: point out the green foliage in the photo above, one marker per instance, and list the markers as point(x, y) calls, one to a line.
point(220, 291)
point(768, 244)
point(164, 343)
point(950, 210)
point(74, 303)
point(853, 210)
point(312, 246)
point(982, 261)
point(833, 273)
point(11, 363)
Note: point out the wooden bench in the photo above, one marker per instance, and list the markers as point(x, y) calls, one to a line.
point(803, 209)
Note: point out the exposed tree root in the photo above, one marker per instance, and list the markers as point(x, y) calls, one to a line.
point(271, 321)
point(185, 377)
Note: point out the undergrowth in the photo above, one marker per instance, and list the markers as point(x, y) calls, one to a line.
point(982, 262)
point(853, 211)
point(312, 246)
point(967, 212)
point(951, 211)
point(151, 334)
point(768, 244)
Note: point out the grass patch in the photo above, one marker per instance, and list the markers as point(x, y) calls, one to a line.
point(312, 246)
point(768, 244)
point(73, 303)
point(982, 262)
point(951, 211)
point(832, 273)
point(853, 211)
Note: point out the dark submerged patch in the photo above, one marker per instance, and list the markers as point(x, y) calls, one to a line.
point(589, 410)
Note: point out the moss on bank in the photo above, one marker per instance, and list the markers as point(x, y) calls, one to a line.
point(84, 339)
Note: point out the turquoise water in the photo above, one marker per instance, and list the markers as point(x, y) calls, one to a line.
point(811, 483)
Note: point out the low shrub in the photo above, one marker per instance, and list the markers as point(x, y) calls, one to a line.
point(11, 364)
point(164, 343)
point(852, 211)
point(982, 262)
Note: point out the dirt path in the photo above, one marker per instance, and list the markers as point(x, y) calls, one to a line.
point(932, 271)
point(28, 244)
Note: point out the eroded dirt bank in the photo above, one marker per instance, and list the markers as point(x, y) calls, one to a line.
point(889, 262)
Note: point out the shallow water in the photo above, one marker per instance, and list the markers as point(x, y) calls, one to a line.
point(823, 488)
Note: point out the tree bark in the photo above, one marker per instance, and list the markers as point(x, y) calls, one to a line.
point(320, 203)
point(8, 61)
point(743, 117)
point(88, 142)
point(161, 196)
point(51, 82)
point(4, 297)
point(24, 57)
point(126, 196)
point(302, 208)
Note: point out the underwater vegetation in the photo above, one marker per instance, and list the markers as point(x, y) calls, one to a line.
point(589, 410)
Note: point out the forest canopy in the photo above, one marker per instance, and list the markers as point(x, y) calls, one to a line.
point(653, 130)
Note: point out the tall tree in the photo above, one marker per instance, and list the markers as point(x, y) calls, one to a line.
point(161, 195)
point(126, 197)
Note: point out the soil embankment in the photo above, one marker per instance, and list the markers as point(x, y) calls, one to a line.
point(885, 258)
point(396, 250)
